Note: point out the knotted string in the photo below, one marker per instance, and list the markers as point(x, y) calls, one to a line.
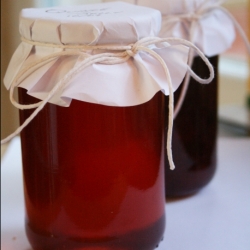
point(120, 55)
point(193, 18)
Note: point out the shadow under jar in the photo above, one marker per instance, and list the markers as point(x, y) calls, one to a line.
point(94, 176)
point(194, 135)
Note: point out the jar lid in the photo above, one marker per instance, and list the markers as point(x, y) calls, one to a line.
point(50, 48)
point(203, 22)
point(116, 23)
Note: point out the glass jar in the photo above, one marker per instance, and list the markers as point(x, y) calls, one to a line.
point(194, 135)
point(94, 175)
point(92, 122)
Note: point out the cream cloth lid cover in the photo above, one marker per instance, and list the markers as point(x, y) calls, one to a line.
point(125, 84)
point(213, 30)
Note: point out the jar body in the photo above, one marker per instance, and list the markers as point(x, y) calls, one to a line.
point(194, 135)
point(94, 176)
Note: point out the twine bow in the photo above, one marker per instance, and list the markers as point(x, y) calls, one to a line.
point(193, 18)
point(115, 55)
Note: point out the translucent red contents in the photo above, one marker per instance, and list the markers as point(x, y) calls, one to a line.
point(194, 135)
point(94, 176)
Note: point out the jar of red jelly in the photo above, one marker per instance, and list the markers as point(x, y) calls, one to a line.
point(93, 175)
point(93, 156)
point(211, 29)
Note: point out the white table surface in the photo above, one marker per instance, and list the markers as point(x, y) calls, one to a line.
point(217, 218)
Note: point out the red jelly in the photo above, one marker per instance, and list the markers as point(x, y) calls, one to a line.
point(94, 176)
point(194, 135)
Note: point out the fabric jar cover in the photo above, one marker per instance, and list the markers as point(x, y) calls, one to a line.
point(214, 30)
point(130, 83)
